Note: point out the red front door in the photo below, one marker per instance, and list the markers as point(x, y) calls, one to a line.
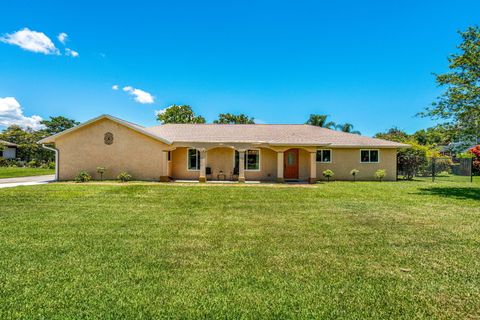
point(290, 162)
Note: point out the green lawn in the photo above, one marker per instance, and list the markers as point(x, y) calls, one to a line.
point(14, 172)
point(399, 250)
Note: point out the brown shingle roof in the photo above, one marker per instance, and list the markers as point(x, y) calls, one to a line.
point(275, 134)
point(8, 144)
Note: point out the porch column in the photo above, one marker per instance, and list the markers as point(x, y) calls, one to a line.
point(280, 157)
point(203, 166)
point(164, 166)
point(313, 167)
point(241, 166)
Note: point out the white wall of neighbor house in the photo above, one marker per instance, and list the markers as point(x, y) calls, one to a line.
point(346, 159)
point(9, 153)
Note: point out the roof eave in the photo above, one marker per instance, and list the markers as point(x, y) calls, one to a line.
point(51, 139)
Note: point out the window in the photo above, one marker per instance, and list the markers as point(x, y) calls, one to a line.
point(324, 155)
point(251, 160)
point(369, 156)
point(193, 159)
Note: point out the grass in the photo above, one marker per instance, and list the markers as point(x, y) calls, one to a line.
point(399, 250)
point(15, 172)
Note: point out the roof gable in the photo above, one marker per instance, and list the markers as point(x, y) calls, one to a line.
point(127, 124)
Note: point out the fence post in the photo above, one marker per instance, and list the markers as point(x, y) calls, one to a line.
point(471, 170)
point(433, 169)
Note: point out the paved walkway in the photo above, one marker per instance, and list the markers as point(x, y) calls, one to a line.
point(26, 181)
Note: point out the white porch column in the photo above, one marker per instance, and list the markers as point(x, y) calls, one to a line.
point(164, 166)
point(313, 167)
point(203, 166)
point(280, 157)
point(241, 166)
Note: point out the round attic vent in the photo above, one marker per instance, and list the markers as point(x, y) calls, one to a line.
point(108, 138)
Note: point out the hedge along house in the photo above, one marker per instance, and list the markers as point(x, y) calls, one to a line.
point(257, 152)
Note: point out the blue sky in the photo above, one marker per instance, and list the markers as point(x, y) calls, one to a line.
point(369, 63)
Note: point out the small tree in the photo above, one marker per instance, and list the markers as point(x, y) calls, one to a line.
point(101, 171)
point(380, 174)
point(354, 173)
point(328, 174)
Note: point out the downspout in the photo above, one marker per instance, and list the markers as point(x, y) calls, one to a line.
point(56, 159)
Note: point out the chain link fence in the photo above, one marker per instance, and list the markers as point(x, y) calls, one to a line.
point(443, 167)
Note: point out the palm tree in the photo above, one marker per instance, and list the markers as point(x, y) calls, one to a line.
point(320, 120)
point(346, 127)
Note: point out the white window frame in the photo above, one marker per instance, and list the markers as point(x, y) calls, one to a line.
point(331, 156)
point(245, 164)
point(369, 150)
point(188, 159)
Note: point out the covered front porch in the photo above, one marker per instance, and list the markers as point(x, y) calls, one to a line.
point(221, 163)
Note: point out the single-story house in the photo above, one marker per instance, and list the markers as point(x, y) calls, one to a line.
point(9, 150)
point(258, 152)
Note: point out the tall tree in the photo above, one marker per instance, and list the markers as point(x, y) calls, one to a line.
point(58, 124)
point(347, 127)
point(459, 105)
point(320, 120)
point(228, 118)
point(179, 114)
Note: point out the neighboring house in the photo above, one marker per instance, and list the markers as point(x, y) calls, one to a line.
point(9, 150)
point(213, 151)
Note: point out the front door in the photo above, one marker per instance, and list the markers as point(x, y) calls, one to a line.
point(290, 162)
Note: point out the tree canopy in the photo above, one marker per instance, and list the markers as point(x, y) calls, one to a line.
point(347, 127)
point(58, 124)
point(459, 105)
point(229, 118)
point(179, 114)
point(320, 120)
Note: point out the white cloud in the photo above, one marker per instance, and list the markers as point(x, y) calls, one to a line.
point(140, 96)
point(11, 113)
point(161, 111)
point(31, 41)
point(71, 53)
point(115, 87)
point(62, 37)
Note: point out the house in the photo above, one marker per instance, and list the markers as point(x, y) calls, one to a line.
point(258, 152)
point(8, 150)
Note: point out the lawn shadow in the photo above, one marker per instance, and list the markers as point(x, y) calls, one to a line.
point(453, 192)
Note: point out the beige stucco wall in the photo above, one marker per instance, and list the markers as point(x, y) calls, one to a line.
point(84, 149)
point(344, 160)
point(222, 159)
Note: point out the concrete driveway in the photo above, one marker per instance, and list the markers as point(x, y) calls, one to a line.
point(26, 181)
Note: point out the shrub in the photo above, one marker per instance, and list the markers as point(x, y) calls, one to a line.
point(380, 174)
point(10, 163)
point(33, 164)
point(124, 177)
point(44, 166)
point(51, 165)
point(328, 174)
point(83, 176)
point(412, 160)
point(101, 171)
point(354, 172)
